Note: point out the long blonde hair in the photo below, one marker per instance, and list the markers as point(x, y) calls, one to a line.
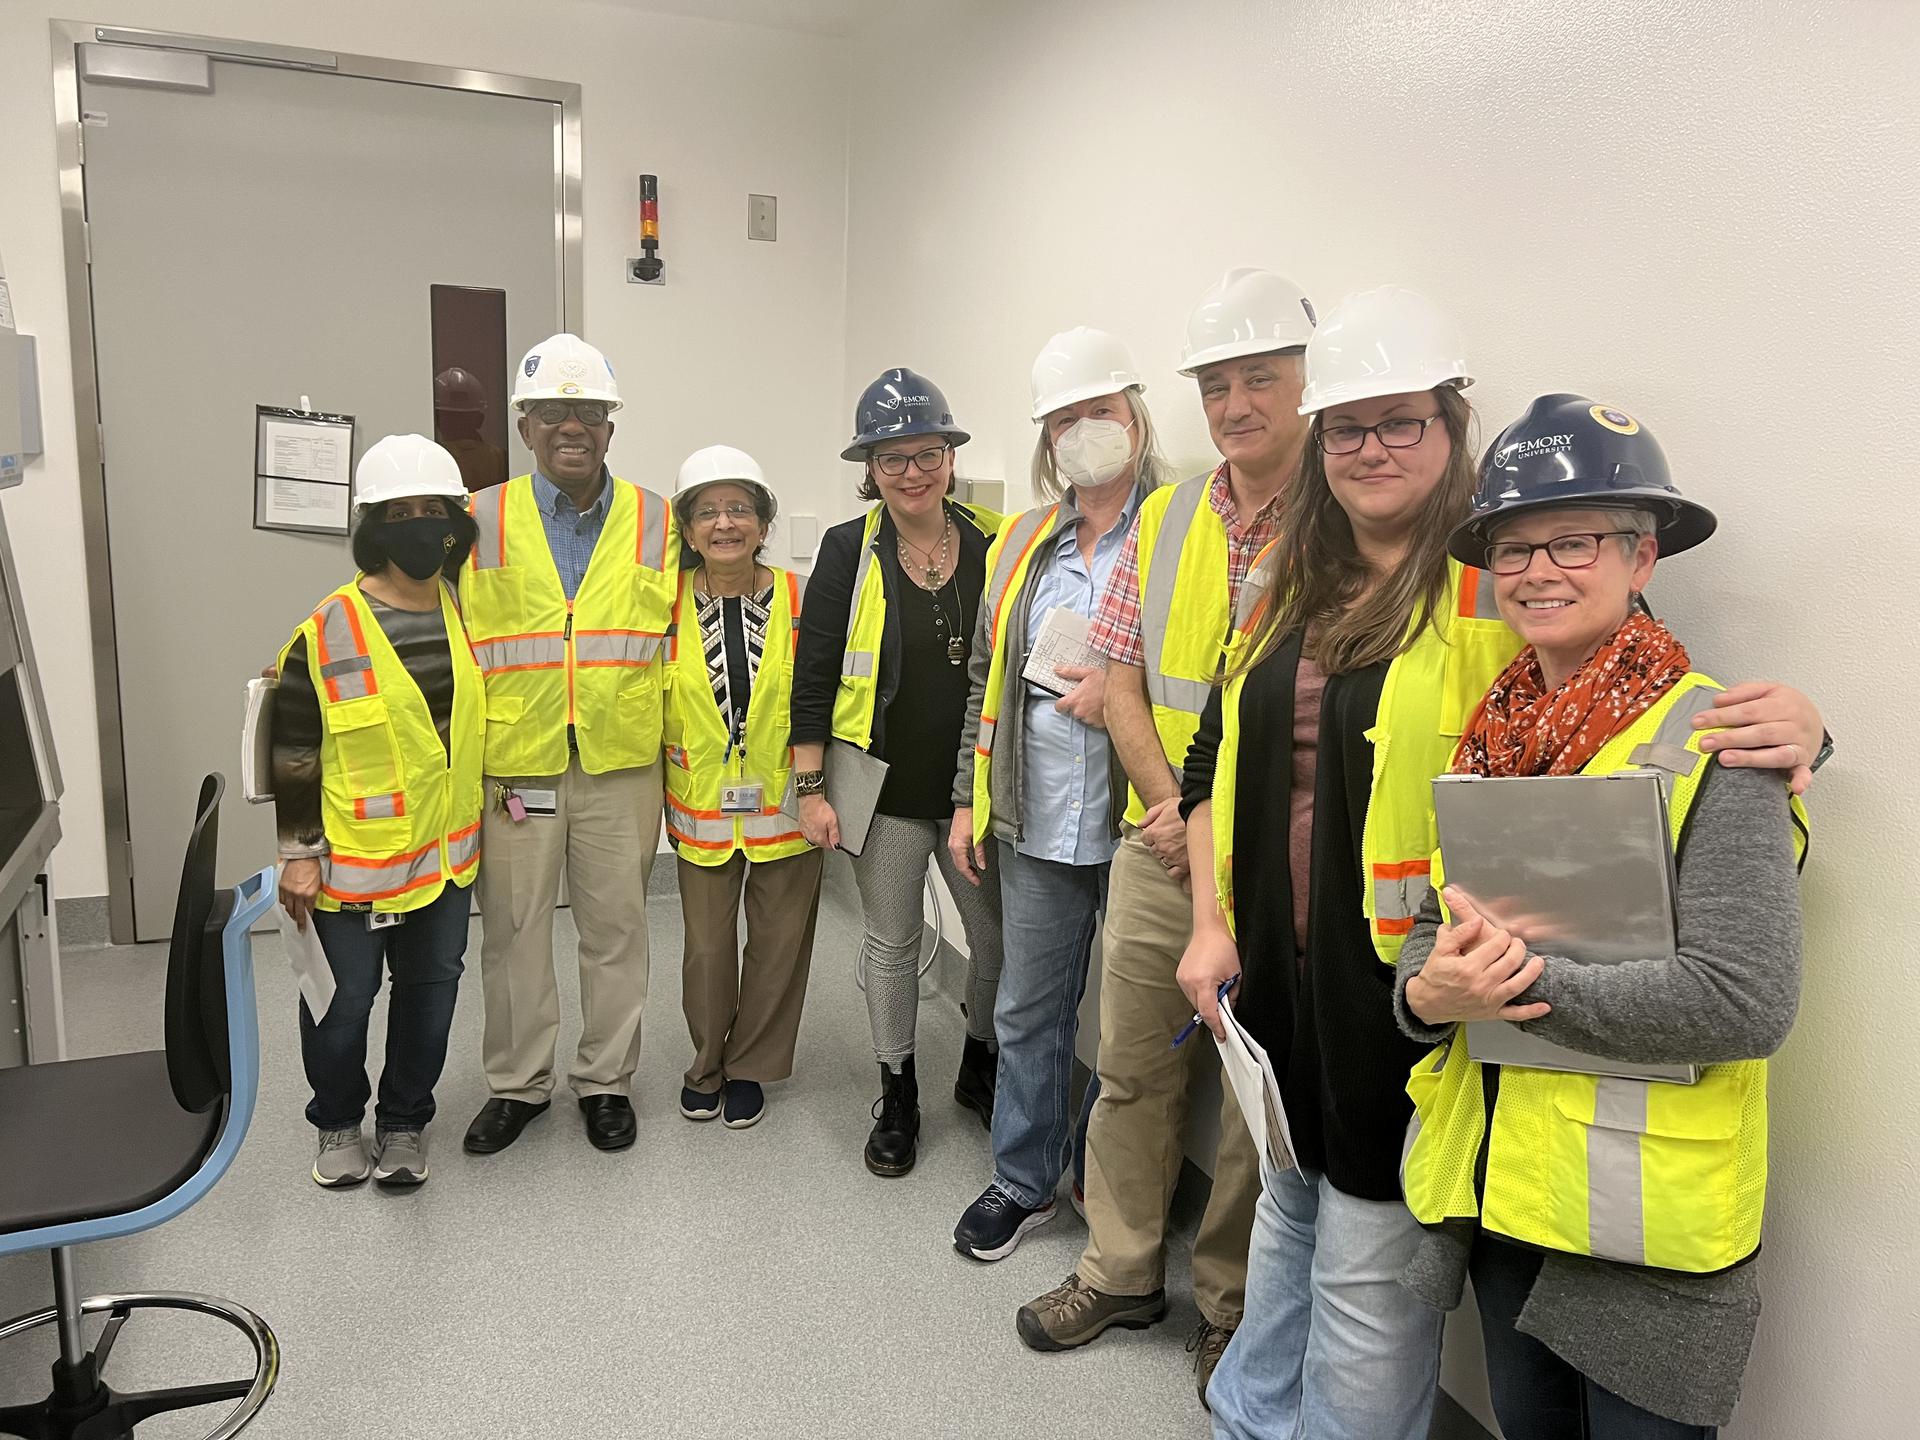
point(1319, 580)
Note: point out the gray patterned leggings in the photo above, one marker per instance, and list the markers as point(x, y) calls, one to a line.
point(891, 872)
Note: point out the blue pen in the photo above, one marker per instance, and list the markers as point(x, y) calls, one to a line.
point(1195, 1023)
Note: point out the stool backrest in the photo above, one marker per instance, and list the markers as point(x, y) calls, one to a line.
point(197, 1059)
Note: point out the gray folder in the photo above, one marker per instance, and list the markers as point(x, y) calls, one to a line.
point(854, 779)
point(1582, 867)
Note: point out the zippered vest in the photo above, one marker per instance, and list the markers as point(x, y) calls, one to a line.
point(702, 756)
point(401, 811)
point(591, 663)
point(859, 692)
point(1009, 561)
point(1429, 695)
point(1648, 1173)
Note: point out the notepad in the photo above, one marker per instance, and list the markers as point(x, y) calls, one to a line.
point(1249, 1074)
point(256, 742)
point(1062, 640)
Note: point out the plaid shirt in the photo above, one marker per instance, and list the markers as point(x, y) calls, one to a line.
point(1116, 626)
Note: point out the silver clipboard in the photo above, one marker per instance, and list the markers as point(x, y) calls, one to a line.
point(854, 781)
point(1583, 866)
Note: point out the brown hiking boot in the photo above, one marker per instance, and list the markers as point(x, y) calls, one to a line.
point(1207, 1344)
point(1073, 1313)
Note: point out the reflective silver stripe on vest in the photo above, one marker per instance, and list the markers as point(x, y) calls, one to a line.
point(379, 807)
point(1401, 897)
point(490, 515)
point(1012, 548)
point(1484, 605)
point(767, 828)
point(597, 648)
point(517, 652)
point(653, 532)
point(985, 741)
point(347, 669)
point(1156, 604)
point(1616, 1222)
point(352, 883)
point(464, 849)
point(860, 662)
point(1667, 751)
point(713, 832)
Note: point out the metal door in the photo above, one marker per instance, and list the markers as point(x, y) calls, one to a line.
point(274, 239)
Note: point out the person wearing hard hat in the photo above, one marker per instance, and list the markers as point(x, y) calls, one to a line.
point(728, 760)
point(1037, 779)
point(1348, 685)
point(568, 595)
point(459, 414)
point(881, 668)
point(377, 737)
point(1165, 611)
point(1575, 503)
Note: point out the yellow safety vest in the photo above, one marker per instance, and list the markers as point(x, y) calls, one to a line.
point(1672, 1177)
point(702, 758)
point(1427, 699)
point(1009, 559)
point(859, 693)
point(590, 663)
point(401, 811)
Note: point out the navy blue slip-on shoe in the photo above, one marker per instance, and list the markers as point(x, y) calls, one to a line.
point(745, 1104)
point(698, 1105)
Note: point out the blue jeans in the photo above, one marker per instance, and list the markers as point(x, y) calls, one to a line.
point(1049, 916)
point(1333, 1347)
point(424, 953)
point(1536, 1394)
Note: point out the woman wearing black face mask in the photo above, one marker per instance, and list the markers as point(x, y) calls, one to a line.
point(378, 731)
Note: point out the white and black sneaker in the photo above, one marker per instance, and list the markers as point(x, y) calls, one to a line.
point(994, 1224)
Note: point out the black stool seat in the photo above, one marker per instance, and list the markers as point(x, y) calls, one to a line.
point(85, 1139)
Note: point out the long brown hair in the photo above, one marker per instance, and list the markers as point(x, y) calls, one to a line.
point(1318, 574)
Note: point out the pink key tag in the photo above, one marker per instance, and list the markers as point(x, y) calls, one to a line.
point(516, 808)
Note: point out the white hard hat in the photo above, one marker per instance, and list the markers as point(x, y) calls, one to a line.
point(401, 466)
point(721, 465)
point(564, 367)
point(1386, 341)
point(1080, 364)
point(1248, 312)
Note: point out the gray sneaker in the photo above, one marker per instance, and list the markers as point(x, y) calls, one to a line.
point(400, 1157)
point(342, 1159)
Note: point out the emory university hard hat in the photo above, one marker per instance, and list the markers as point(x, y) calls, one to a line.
point(900, 403)
point(564, 367)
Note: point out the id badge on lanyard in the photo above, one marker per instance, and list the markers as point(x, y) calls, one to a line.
point(746, 795)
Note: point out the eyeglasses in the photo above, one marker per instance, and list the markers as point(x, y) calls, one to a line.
point(739, 510)
point(1400, 434)
point(1569, 552)
point(894, 464)
point(555, 412)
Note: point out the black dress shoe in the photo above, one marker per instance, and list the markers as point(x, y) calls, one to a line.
point(610, 1122)
point(499, 1124)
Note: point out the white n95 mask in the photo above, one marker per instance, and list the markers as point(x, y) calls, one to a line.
point(1093, 452)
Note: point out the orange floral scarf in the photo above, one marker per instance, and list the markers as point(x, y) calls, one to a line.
point(1523, 729)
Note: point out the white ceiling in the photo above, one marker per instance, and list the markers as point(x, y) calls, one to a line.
point(820, 17)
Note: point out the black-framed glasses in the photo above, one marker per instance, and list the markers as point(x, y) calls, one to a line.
point(894, 465)
point(1569, 552)
point(1402, 433)
point(738, 511)
point(555, 412)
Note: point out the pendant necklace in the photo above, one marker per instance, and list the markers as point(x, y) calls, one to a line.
point(956, 646)
point(932, 572)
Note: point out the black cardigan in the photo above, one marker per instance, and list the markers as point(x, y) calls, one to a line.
point(1326, 1020)
point(823, 621)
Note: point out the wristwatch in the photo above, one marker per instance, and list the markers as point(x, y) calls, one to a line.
point(809, 782)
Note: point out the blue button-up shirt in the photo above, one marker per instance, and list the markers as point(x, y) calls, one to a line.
point(1064, 767)
point(571, 533)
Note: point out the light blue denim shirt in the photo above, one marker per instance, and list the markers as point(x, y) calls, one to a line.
point(571, 533)
point(1064, 768)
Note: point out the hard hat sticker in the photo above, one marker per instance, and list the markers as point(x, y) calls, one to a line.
point(1617, 421)
point(569, 389)
point(1307, 305)
point(533, 364)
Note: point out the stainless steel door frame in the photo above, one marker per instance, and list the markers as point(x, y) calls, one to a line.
point(67, 37)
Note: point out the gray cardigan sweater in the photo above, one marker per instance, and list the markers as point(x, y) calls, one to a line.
point(1673, 1344)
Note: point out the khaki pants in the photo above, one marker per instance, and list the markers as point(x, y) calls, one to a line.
point(743, 1011)
point(1134, 1136)
point(603, 834)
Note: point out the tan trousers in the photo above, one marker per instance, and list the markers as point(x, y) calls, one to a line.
point(1134, 1136)
point(603, 834)
point(743, 1010)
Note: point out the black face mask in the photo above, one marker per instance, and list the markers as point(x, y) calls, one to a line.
point(422, 545)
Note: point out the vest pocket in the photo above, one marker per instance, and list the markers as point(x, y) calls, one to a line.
point(363, 739)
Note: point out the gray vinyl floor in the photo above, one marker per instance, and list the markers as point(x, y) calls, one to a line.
point(703, 1283)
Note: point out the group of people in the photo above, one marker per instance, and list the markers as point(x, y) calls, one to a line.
point(1232, 794)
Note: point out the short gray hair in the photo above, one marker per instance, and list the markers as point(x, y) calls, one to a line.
point(1150, 467)
point(1640, 522)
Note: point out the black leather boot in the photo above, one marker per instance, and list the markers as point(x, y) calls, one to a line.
point(974, 1087)
point(896, 1130)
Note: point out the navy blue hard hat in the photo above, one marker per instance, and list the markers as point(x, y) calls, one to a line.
point(900, 403)
point(1568, 452)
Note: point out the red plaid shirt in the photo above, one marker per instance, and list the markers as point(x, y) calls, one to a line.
point(1116, 626)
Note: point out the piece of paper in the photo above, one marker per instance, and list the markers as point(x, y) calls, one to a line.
point(1248, 1071)
point(306, 450)
point(311, 968)
point(1062, 640)
point(305, 504)
point(256, 742)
